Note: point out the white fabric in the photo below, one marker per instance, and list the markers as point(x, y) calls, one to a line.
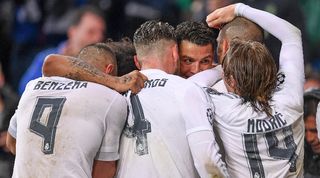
point(88, 128)
point(207, 78)
point(249, 137)
point(12, 130)
point(220, 86)
point(318, 120)
point(178, 141)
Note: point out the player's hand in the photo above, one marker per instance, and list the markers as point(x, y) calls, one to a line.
point(221, 16)
point(133, 81)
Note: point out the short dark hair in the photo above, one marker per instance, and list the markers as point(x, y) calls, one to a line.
point(124, 51)
point(151, 32)
point(311, 100)
point(79, 13)
point(195, 32)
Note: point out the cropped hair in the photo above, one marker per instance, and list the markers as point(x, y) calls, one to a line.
point(97, 52)
point(254, 71)
point(195, 32)
point(243, 29)
point(150, 33)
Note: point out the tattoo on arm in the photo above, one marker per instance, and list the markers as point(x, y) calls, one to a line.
point(81, 70)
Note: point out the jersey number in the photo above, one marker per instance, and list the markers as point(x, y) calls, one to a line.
point(140, 127)
point(274, 150)
point(45, 119)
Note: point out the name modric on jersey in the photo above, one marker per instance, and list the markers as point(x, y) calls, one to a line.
point(264, 125)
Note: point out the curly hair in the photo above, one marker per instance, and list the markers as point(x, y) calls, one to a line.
point(195, 32)
point(254, 71)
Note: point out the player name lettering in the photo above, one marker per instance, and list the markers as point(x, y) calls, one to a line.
point(155, 83)
point(264, 125)
point(49, 85)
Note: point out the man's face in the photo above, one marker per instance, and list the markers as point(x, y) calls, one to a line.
point(194, 58)
point(90, 30)
point(311, 134)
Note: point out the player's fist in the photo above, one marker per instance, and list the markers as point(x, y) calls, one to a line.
point(133, 81)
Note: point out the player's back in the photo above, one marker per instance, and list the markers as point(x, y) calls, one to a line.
point(154, 143)
point(256, 144)
point(60, 127)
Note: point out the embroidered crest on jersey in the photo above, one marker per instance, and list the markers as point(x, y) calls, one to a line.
point(210, 108)
point(137, 126)
point(280, 80)
point(212, 91)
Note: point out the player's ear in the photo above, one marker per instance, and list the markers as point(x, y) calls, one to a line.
point(175, 53)
point(109, 69)
point(136, 62)
point(225, 47)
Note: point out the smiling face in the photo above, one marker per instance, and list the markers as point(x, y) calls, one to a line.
point(194, 58)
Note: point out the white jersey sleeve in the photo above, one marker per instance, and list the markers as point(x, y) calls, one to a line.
point(109, 149)
point(318, 120)
point(13, 126)
point(201, 139)
point(208, 77)
point(291, 54)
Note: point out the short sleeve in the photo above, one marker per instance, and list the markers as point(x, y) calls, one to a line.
point(115, 120)
point(13, 126)
point(318, 120)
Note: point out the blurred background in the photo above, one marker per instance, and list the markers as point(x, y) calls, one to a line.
point(31, 26)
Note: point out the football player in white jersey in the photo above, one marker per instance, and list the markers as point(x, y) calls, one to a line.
point(168, 133)
point(261, 126)
point(318, 120)
point(69, 128)
point(196, 42)
point(240, 28)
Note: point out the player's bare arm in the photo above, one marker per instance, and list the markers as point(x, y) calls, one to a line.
point(77, 69)
point(104, 169)
point(11, 143)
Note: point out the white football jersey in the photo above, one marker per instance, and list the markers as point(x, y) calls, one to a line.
point(64, 125)
point(168, 133)
point(318, 120)
point(257, 145)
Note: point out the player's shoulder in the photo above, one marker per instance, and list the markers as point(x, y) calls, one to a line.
point(100, 89)
point(217, 94)
point(182, 82)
